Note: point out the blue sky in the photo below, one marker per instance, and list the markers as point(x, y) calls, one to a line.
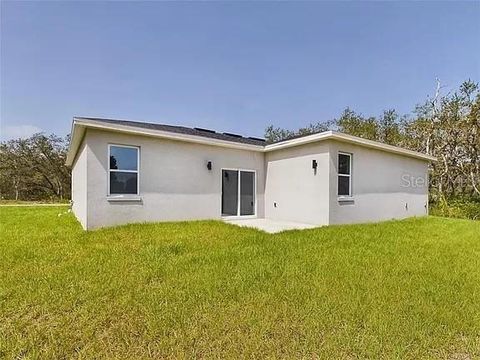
point(230, 66)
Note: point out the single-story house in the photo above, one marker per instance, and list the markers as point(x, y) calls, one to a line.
point(127, 172)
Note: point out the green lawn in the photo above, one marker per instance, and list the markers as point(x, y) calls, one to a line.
point(402, 289)
point(33, 202)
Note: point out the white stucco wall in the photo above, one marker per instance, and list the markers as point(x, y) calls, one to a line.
point(175, 183)
point(299, 193)
point(79, 185)
point(380, 186)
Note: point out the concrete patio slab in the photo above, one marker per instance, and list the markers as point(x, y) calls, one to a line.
point(270, 226)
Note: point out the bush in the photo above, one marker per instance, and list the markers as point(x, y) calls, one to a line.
point(457, 208)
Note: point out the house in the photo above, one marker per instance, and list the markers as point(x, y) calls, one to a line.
point(126, 172)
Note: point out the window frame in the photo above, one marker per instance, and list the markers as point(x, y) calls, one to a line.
point(349, 176)
point(125, 171)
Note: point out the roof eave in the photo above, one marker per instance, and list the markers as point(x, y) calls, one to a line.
point(333, 135)
point(76, 137)
point(80, 124)
point(381, 146)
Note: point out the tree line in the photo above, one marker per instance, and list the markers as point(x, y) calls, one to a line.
point(34, 168)
point(445, 126)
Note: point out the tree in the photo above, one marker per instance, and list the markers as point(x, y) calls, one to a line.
point(355, 124)
point(444, 126)
point(389, 128)
point(13, 175)
point(448, 128)
point(274, 134)
point(34, 168)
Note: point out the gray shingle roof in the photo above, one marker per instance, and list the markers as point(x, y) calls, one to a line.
point(183, 130)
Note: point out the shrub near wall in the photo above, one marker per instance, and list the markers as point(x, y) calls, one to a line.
point(457, 208)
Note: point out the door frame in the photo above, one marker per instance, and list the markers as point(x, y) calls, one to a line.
point(238, 216)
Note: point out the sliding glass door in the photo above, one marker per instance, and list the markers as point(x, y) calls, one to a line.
point(238, 193)
point(229, 192)
point(247, 193)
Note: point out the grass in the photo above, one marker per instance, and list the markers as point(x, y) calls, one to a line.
point(33, 202)
point(400, 289)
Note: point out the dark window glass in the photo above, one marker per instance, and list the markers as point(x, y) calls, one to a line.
point(229, 192)
point(344, 164)
point(247, 193)
point(343, 186)
point(123, 182)
point(123, 158)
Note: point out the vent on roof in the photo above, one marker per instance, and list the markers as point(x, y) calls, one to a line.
point(205, 130)
point(255, 138)
point(233, 135)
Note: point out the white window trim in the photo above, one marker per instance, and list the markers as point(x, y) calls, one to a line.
point(349, 196)
point(123, 196)
point(238, 216)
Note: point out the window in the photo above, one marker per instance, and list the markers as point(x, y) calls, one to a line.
point(123, 169)
point(344, 174)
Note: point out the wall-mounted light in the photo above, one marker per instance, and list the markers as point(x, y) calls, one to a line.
point(314, 164)
point(209, 165)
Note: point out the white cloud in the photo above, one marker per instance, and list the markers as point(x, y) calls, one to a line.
point(18, 131)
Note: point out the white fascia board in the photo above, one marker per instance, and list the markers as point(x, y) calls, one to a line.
point(79, 126)
point(76, 137)
point(299, 141)
point(79, 123)
point(333, 135)
point(381, 146)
